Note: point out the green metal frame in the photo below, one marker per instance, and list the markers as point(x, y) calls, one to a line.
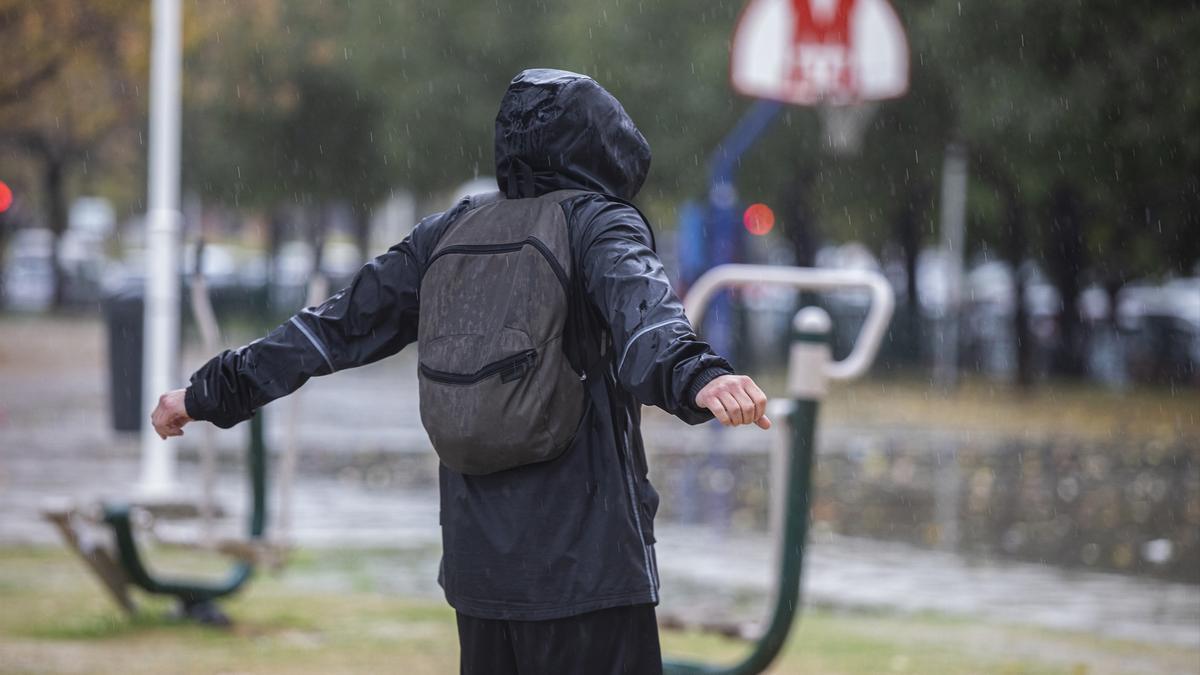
point(191, 591)
point(803, 421)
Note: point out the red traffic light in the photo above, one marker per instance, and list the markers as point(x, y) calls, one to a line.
point(758, 219)
point(5, 197)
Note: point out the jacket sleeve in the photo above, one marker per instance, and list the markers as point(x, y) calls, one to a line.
point(374, 317)
point(657, 355)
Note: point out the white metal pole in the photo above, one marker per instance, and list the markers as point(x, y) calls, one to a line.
point(161, 352)
point(954, 215)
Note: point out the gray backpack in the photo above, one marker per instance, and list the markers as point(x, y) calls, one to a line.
point(497, 390)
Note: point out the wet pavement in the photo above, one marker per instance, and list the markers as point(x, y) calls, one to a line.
point(705, 572)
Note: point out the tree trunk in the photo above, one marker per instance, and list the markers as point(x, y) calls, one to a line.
point(318, 232)
point(6, 227)
point(56, 207)
point(1015, 252)
point(1066, 259)
point(276, 222)
point(908, 236)
point(362, 232)
point(1015, 247)
point(799, 231)
point(798, 219)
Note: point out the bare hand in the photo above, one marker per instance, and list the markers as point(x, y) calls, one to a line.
point(170, 415)
point(734, 400)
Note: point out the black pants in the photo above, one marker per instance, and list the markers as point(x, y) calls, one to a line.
point(618, 641)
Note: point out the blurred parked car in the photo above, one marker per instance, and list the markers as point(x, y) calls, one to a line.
point(340, 260)
point(1161, 326)
point(219, 264)
point(29, 268)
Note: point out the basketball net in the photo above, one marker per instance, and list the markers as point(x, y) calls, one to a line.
point(845, 126)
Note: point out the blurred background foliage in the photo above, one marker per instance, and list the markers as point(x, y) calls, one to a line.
point(1081, 120)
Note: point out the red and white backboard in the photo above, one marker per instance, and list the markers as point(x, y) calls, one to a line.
point(811, 52)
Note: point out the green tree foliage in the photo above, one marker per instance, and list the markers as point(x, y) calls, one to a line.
point(70, 94)
point(426, 78)
point(275, 113)
point(1081, 119)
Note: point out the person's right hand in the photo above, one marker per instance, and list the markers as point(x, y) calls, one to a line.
point(170, 415)
point(734, 400)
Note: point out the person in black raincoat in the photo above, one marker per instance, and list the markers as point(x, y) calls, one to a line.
point(550, 566)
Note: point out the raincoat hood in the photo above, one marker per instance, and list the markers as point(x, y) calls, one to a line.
point(561, 130)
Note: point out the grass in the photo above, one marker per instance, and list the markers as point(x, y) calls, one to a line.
point(54, 619)
point(981, 406)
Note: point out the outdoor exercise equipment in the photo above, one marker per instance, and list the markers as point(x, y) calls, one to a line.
point(117, 560)
point(318, 290)
point(196, 596)
point(115, 557)
point(210, 338)
point(810, 367)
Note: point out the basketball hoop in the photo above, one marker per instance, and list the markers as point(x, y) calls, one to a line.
point(820, 52)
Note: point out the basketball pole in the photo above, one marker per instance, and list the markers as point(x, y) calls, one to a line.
point(160, 358)
point(722, 216)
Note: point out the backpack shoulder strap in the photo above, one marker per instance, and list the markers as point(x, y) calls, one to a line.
point(560, 196)
point(483, 199)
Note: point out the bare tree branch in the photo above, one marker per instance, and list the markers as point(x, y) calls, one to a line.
point(15, 92)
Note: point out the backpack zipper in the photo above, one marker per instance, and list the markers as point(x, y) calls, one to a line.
point(511, 247)
point(510, 367)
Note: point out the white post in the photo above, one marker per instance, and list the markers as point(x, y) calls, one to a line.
point(953, 226)
point(161, 354)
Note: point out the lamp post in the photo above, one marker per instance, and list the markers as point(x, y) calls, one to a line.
point(160, 360)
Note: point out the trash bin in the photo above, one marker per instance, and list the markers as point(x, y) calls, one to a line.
point(123, 312)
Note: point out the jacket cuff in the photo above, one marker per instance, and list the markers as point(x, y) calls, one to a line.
point(190, 404)
point(702, 378)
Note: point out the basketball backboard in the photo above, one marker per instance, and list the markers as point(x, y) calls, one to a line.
point(820, 52)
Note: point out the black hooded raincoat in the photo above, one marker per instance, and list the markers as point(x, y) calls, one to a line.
point(574, 534)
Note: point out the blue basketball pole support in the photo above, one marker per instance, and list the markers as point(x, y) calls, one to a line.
point(723, 237)
point(722, 231)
